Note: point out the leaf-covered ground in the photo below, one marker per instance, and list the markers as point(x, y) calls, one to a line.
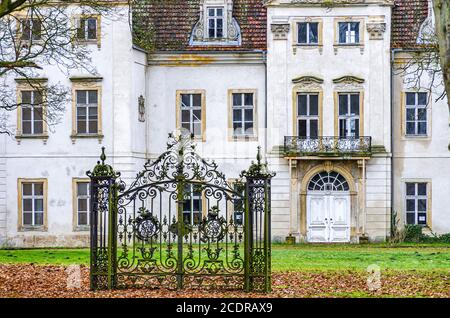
point(28, 280)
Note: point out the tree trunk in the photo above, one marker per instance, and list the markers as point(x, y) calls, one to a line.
point(442, 14)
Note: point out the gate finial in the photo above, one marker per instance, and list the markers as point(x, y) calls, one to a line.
point(102, 169)
point(258, 169)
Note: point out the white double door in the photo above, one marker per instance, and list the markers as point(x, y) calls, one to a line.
point(328, 217)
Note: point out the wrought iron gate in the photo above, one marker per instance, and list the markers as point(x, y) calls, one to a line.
point(180, 224)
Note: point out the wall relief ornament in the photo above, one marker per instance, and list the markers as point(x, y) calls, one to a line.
point(280, 31)
point(307, 83)
point(376, 30)
point(141, 108)
point(348, 82)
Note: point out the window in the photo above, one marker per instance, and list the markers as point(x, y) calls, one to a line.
point(238, 204)
point(193, 205)
point(349, 112)
point(31, 29)
point(32, 112)
point(82, 203)
point(215, 22)
point(308, 33)
point(416, 203)
point(348, 32)
point(308, 115)
point(416, 114)
point(87, 111)
point(190, 111)
point(32, 203)
point(243, 112)
point(86, 28)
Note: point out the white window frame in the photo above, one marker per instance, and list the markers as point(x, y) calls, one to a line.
point(31, 36)
point(308, 117)
point(308, 40)
point(86, 197)
point(33, 107)
point(191, 108)
point(33, 197)
point(194, 195)
point(416, 197)
point(416, 107)
point(87, 107)
point(348, 35)
point(349, 117)
point(86, 20)
point(215, 18)
point(243, 120)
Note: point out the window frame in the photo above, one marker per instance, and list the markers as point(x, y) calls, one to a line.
point(416, 197)
point(27, 85)
point(349, 19)
point(308, 42)
point(244, 137)
point(201, 92)
point(336, 111)
point(21, 19)
point(404, 113)
point(308, 117)
point(231, 206)
point(88, 106)
point(215, 18)
point(201, 196)
point(20, 197)
point(348, 29)
point(77, 19)
point(298, 90)
point(87, 84)
point(76, 226)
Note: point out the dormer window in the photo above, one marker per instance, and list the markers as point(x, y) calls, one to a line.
point(216, 24)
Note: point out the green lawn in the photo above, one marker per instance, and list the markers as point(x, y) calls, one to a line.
point(290, 258)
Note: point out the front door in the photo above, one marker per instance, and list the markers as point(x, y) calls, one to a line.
point(328, 209)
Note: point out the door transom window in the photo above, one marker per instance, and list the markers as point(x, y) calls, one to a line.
point(329, 182)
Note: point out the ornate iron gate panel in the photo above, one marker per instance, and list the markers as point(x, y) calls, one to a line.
point(180, 224)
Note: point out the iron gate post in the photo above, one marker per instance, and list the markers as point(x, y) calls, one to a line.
point(103, 224)
point(258, 226)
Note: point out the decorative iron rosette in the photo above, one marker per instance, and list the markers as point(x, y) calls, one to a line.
point(147, 226)
point(213, 227)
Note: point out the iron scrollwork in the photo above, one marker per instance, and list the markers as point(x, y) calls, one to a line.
point(179, 224)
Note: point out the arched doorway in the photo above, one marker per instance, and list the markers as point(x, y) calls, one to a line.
point(328, 208)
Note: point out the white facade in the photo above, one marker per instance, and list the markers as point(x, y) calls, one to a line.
point(362, 208)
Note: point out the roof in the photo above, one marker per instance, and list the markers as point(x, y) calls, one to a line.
point(170, 23)
point(407, 18)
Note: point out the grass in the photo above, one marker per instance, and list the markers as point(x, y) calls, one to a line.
point(430, 257)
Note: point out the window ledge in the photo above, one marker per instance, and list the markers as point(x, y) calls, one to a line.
point(74, 137)
point(26, 228)
point(243, 138)
point(338, 46)
point(82, 228)
point(43, 137)
point(306, 46)
point(417, 137)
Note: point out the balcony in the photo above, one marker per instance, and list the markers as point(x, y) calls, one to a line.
point(327, 146)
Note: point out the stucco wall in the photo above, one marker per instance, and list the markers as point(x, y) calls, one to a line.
point(422, 159)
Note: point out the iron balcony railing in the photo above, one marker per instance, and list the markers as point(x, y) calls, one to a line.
point(325, 146)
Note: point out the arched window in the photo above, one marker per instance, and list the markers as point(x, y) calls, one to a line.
point(328, 181)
